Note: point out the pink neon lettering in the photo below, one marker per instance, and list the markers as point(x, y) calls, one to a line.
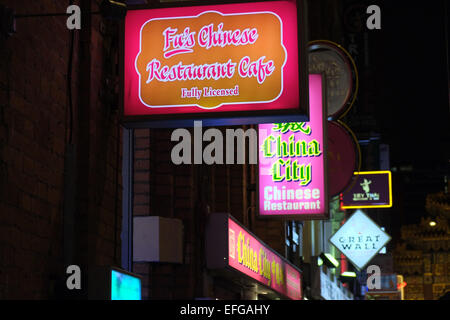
point(259, 69)
point(189, 72)
point(181, 43)
point(170, 53)
point(164, 73)
point(168, 33)
point(152, 66)
point(209, 38)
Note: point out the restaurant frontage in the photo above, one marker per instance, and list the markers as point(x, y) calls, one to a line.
point(230, 66)
point(206, 90)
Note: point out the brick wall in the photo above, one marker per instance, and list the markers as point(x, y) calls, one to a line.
point(189, 193)
point(163, 189)
point(33, 135)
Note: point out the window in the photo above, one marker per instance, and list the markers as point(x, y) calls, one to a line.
point(294, 234)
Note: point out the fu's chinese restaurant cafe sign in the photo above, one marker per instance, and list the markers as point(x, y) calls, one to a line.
point(229, 246)
point(292, 166)
point(232, 61)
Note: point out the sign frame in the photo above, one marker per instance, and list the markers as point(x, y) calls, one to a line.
point(226, 118)
point(389, 205)
point(304, 217)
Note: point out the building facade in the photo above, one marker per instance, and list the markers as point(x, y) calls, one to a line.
point(60, 149)
point(74, 181)
point(423, 256)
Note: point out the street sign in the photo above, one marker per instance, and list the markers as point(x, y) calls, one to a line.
point(360, 239)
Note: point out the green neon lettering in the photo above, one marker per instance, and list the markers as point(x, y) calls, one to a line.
point(293, 127)
point(291, 146)
point(295, 168)
point(306, 130)
point(282, 147)
point(314, 148)
point(266, 147)
point(305, 174)
point(276, 171)
point(288, 170)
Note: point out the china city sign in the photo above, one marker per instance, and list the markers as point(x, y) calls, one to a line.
point(360, 239)
point(292, 166)
point(215, 61)
point(372, 189)
point(233, 251)
point(250, 256)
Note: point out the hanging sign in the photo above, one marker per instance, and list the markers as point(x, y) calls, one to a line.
point(343, 157)
point(250, 256)
point(360, 239)
point(232, 248)
point(231, 60)
point(372, 189)
point(292, 177)
point(341, 75)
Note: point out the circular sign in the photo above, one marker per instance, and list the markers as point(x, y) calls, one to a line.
point(343, 157)
point(341, 75)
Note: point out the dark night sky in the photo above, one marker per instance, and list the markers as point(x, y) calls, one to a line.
point(410, 63)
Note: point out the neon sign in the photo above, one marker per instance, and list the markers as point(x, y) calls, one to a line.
point(214, 58)
point(292, 164)
point(372, 189)
point(251, 257)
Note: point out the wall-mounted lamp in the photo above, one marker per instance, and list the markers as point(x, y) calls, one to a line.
point(319, 261)
point(347, 277)
point(329, 260)
point(349, 274)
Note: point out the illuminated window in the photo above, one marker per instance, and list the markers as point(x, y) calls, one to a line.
point(294, 234)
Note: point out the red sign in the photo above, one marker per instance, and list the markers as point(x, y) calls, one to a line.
point(250, 256)
point(233, 250)
point(214, 59)
point(342, 157)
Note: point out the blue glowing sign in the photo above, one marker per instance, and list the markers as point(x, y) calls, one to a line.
point(124, 286)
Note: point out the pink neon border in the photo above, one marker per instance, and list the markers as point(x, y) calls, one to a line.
point(232, 103)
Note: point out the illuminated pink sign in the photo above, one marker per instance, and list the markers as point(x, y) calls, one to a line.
point(292, 179)
point(212, 59)
point(251, 257)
